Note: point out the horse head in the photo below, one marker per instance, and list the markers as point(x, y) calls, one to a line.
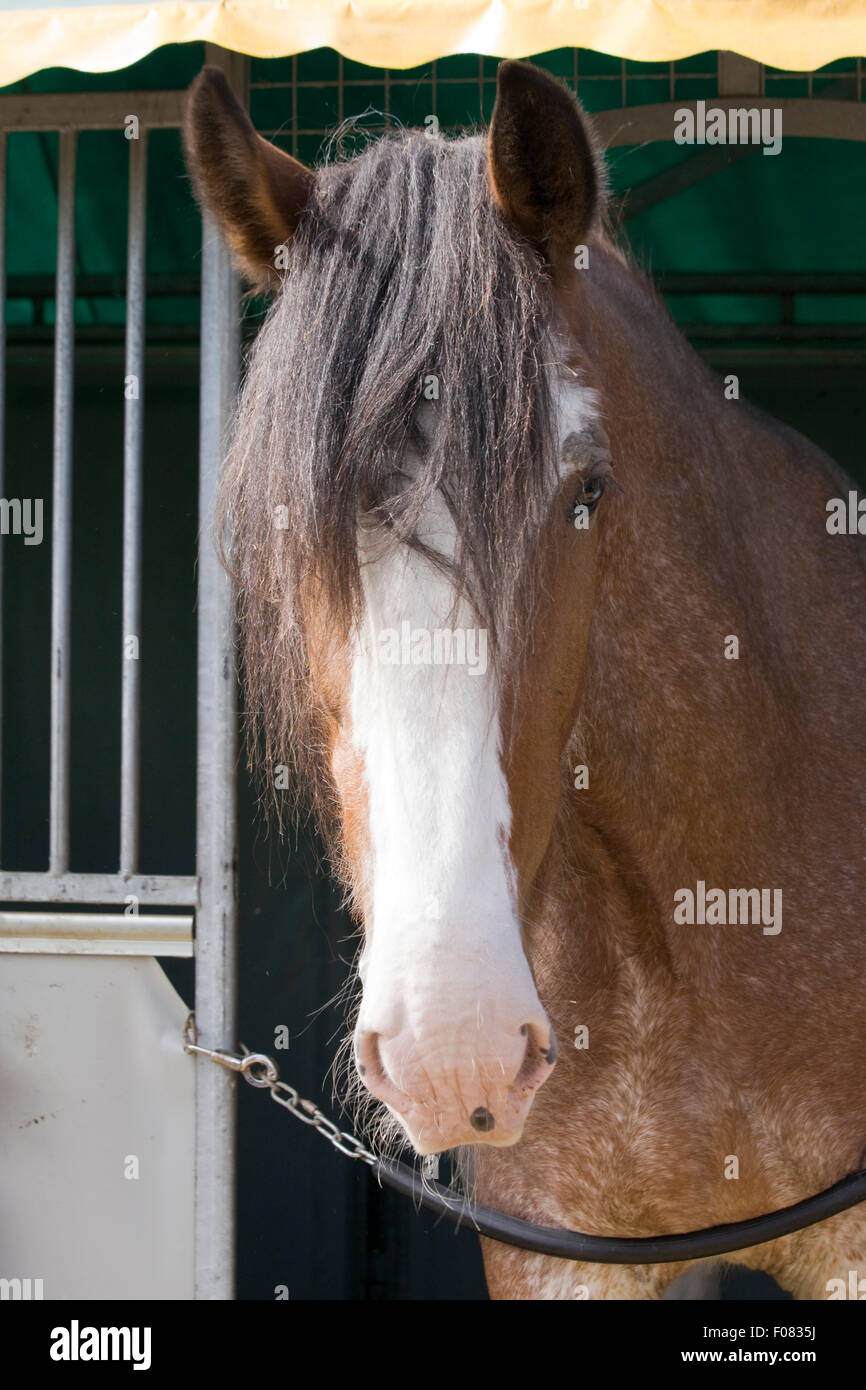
point(411, 503)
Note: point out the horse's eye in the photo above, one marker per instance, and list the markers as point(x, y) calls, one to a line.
point(588, 497)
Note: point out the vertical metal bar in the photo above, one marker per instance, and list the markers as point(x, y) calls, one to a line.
point(133, 425)
point(3, 147)
point(216, 966)
point(737, 76)
point(216, 840)
point(61, 530)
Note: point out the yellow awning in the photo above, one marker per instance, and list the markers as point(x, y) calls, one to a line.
point(801, 34)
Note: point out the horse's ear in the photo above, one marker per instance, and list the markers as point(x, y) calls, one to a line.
point(544, 172)
point(254, 190)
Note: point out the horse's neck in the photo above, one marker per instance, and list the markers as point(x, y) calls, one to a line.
point(720, 719)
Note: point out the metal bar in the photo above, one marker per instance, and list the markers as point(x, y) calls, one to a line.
point(165, 356)
point(133, 426)
point(783, 355)
point(110, 946)
point(61, 541)
point(108, 333)
point(703, 165)
point(784, 332)
point(161, 890)
point(830, 120)
point(94, 934)
point(216, 967)
point(163, 359)
point(760, 282)
point(295, 105)
point(597, 80)
point(188, 286)
point(216, 840)
point(3, 147)
point(90, 110)
point(102, 286)
point(739, 76)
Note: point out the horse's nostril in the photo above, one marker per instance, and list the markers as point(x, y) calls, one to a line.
point(551, 1052)
point(367, 1057)
point(538, 1058)
point(482, 1120)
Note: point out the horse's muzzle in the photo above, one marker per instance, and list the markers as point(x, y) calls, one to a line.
point(461, 1086)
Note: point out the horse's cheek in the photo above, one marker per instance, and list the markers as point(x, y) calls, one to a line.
point(549, 702)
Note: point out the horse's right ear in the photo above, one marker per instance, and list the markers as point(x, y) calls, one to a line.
point(254, 191)
point(544, 172)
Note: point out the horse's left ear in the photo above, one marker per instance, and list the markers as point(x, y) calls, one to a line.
point(543, 167)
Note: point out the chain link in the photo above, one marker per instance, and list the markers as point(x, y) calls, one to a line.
point(259, 1069)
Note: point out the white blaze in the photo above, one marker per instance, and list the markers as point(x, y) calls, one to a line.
point(447, 988)
point(441, 886)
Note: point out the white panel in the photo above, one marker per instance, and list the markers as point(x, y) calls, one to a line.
point(92, 1073)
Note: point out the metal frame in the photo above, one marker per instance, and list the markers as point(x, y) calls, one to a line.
point(90, 110)
point(734, 76)
point(801, 116)
point(133, 432)
point(212, 890)
point(833, 107)
point(216, 845)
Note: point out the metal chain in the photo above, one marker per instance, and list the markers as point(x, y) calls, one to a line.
point(259, 1069)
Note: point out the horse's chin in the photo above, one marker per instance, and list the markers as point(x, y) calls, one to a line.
point(429, 1138)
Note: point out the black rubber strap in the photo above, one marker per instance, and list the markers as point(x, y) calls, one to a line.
point(619, 1250)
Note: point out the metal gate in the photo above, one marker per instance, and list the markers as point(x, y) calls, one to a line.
point(61, 912)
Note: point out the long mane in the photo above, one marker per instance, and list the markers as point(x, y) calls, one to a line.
point(401, 269)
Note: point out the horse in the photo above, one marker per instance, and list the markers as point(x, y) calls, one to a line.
point(556, 640)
